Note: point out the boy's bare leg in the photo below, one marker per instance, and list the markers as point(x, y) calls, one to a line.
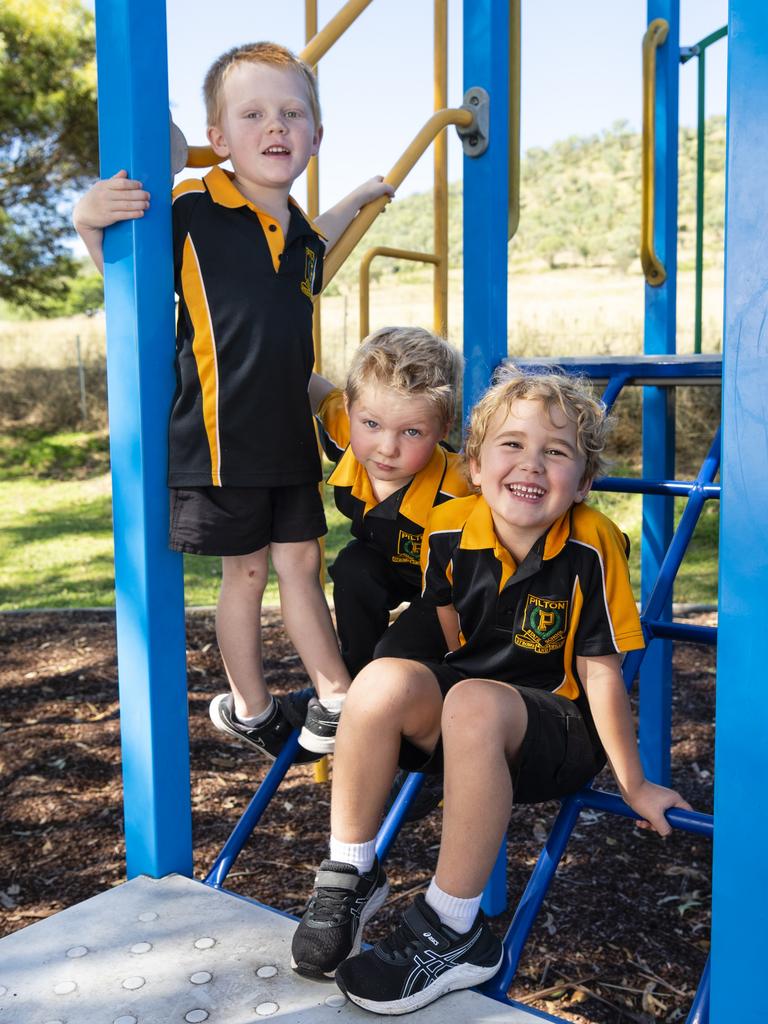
point(389, 699)
point(238, 629)
point(306, 616)
point(483, 725)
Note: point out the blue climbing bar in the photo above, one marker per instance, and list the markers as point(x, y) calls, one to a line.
point(659, 402)
point(131, 55)
point(740, 883)
point(485, 233)
point(486, 197)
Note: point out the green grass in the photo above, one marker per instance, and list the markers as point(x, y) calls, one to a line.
point(56, 530)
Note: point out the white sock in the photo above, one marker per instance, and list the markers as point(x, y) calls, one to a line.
point(333, 703)
point(251, 723)
point(360, 855)
point(453, 911)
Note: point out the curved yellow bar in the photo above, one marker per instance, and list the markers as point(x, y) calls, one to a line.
point(653, 268)
point(335, 28)
point(203, 156)
point(439, 120)
point(365, 279)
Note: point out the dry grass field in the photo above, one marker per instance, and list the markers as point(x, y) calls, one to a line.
point(553, 313)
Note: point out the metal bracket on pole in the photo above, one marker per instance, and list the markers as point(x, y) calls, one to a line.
point(476, 136)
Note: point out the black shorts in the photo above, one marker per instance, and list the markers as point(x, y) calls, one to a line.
point(560, 753)
point(239, 520)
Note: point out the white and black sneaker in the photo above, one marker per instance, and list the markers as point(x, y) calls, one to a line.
point(319, 730)
point(331, 929)
point(420, 961)
point(270, 736)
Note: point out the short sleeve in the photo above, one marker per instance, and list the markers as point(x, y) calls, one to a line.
point(609, 621)
point(333, 425)
point(436, 566)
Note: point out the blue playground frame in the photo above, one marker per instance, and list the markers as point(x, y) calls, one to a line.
point(131, 47)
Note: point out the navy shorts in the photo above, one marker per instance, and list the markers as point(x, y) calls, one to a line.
point(239, 520)
point(560, 753)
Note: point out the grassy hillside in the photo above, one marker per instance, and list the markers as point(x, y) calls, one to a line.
point(580, 207)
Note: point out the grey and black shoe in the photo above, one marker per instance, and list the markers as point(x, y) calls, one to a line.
point(267, 738)
point(420, 961)
point(331, 929)
point(319, 730)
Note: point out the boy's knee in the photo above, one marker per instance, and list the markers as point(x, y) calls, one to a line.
point(480, 711)
point(246, 571)
point(301, 559)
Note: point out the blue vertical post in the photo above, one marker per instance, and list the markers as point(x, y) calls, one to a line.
point(134, 134)
point(659, 403)
point(740, 884)
point(486, 201)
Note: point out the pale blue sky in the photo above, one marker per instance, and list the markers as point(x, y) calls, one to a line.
point(581, 72)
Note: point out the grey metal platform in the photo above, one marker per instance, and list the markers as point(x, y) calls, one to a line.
point(160, 951)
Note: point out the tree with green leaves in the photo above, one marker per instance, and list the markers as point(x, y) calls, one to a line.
point(48, 143)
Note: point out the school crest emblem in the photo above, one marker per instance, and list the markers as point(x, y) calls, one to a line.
point(408, 548)
point(544, 625)
point(310, 268)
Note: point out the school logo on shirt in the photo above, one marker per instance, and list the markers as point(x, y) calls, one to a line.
point(310, 268)
point(544, 624)
point(408, 548)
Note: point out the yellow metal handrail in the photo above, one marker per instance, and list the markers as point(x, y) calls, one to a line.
point(653, 268)
point(365, 276)
point(317, 47)
point(439, 120)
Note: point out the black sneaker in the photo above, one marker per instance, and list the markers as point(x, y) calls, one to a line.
point(420, 961)
point(319, 731)
point(331, 929)
point(425, 801)
point(268, 738)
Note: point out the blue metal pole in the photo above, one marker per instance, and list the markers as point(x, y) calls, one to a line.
point(485, 234)
point(659, 403)
point(740, 882)
point(486, 199)
point(134, 135)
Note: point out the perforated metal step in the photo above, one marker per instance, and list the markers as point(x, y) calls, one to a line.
point(161, 951)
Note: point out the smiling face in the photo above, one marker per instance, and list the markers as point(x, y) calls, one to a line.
point(392, 436)
point(530, 471)
point(266, 129)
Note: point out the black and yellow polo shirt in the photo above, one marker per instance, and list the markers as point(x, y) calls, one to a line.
point(241, 414)
point(394, 526)
point(527, 623)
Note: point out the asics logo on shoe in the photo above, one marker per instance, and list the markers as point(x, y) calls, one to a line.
point(430, 938)
point(427, 966)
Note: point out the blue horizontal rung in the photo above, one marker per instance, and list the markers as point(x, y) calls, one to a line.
point(681, 631)
point(687, 821)
point(674, 488)
point(656, 371)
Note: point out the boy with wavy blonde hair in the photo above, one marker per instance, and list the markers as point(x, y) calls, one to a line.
point(386, 434)
point(243, 460)
point(532, 589)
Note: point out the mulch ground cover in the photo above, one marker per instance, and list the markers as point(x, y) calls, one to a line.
point(622, 937)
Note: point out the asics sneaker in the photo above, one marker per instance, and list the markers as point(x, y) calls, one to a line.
point(319, 731)
point(331, 929)
point(420, 961)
